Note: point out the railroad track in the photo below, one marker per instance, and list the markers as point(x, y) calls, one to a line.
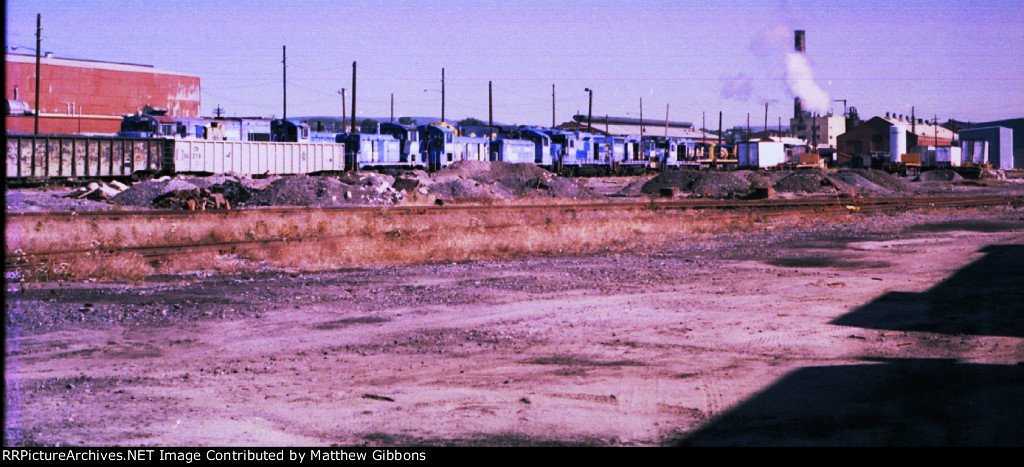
point(485, 218)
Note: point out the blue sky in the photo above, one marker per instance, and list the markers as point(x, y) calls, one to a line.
point(953, 59)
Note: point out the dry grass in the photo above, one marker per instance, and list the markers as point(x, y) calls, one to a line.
point(319, 240)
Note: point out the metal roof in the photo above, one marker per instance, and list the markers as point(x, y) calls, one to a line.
point(95, 64)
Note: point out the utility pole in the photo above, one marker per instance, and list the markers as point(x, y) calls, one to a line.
point(641, 118)
point(590, 110)
point(913, 120)
point(719, 127)
point(490, 111)
point(766, 119)
point(344, 117)
point(666, 120)
point(552, 106)
point(748, 126)
point(354, 97)
point(442, 94)
point(284, 83)
point(392, 107)
point(39, 40)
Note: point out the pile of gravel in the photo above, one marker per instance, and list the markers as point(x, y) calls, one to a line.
point(854, 184)
point(939, 176)
point(361, 189)
point(810, 181)
point(480, 180)
point(143, 193)
point(699, 183)
point(469, 190)
point(882, 179)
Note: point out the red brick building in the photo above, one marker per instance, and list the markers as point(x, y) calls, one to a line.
point(84, 96)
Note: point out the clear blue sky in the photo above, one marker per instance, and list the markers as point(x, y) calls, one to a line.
point(956, 59)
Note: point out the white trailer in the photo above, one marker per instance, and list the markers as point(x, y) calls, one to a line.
point(761, 154)
point(257, 158)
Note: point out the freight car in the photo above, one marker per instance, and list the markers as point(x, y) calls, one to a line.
point(256, 158)
point(41, 157)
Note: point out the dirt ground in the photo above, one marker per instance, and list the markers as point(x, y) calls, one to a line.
point(873, 330)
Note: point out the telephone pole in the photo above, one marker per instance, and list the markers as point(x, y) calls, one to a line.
point(552, 106)
point(353, 97)
point(344, 116)
point(284, 83)
point(39, 40)
point(490, 111)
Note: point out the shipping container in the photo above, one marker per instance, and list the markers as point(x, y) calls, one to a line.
point(761, 154)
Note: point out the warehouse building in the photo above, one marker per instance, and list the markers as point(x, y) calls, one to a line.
point(86, 96)
point(872, 139)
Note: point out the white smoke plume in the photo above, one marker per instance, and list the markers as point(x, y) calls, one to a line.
point(800, 78)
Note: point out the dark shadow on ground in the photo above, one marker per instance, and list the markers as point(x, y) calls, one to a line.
point(984, 298)
point(902, 402)
point(915, 402)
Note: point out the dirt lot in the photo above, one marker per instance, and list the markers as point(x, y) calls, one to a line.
point(872, 330)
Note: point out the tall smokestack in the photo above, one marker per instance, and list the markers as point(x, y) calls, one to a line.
point(801, 46)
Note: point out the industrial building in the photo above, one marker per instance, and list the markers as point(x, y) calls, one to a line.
point(996, 148)
point(873, 138)
point(622, 126)
point(87, 96)
point(1016, 125)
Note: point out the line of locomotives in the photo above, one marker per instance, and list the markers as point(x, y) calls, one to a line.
point(429, 147)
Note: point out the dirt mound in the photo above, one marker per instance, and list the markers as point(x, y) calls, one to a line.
point(327, 191)
point(143, 193)
point(469, 189)
point(478, 180)
point(882, 179)
point(854, 184)
point(939, 176)
point(706, 184)
point(811, 181)
point(486, 170)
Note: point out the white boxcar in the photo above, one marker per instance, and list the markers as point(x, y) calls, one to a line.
point(257, 158)
point(760, 154)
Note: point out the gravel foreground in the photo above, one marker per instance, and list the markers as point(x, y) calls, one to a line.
point(880, 330)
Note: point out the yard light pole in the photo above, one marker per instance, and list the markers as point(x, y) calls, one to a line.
point(590, 109)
